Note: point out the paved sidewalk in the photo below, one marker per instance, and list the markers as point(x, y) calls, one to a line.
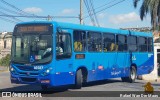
point(2, 68)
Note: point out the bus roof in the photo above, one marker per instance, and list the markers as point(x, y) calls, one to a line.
point(92, 28)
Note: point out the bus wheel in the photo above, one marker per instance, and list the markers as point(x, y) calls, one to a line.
point(133, 74)
point(78, 81)
point(131, 77)
point(44, 87)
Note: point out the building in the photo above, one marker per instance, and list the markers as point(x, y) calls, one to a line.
point(141, 29)
point(5, 43)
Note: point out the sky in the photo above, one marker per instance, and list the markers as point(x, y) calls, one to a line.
point(122, 15)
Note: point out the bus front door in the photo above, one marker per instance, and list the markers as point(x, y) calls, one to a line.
point(64, 60)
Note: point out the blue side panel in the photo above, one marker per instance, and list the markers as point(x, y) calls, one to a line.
point(64, 78)
point(144, 62)
point(115, 64)
point(105, 65)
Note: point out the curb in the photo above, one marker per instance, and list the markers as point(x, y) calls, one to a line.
point(155, 80)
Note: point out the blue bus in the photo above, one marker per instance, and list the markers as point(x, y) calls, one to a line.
point(55, 54)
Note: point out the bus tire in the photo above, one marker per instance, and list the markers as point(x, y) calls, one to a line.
point(78, 80)
point(44, 87)
point(132, 76)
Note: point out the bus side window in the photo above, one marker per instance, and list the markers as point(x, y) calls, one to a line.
point(94, 42)
point(142, 42)
point(109, 42)
point(79, 41)
point(122, 43)
point(132, 43)
point(63, 46)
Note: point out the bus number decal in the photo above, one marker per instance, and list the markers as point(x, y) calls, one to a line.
point(38, 67)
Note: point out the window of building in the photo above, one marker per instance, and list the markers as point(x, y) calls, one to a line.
point(132, 43)
point(122, 42)
point(79, 41)
point(142, 42)
point(94, 42)
point(5, 44)
point(109, 42)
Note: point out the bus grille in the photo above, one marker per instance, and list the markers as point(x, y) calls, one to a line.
point(27, 68)
point(24, 79)
point(26, 73)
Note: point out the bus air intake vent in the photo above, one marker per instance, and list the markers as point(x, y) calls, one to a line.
point(28, 79)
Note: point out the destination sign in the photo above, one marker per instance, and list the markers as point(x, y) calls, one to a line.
point(35, 28)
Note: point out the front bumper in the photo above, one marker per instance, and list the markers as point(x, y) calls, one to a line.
point(24, 79)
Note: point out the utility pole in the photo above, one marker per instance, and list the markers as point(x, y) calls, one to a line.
point(49, 18)
point(81, 12)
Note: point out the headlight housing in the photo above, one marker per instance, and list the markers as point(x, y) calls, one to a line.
point(12, 70)
point(46, 71)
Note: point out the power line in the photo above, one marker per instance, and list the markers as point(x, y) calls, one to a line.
point(7, 20)
point(10, 11)
point(20, 12)
point(93, 10)
point(107, 7)
point(39, 16)
point(12, 17)
point(105, 4)
point(89, 13)
point(14, 7)
point(111, 6)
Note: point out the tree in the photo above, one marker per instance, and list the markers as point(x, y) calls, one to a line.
point(5, 60)
point(152, 7)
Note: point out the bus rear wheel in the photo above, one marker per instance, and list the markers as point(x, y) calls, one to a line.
point(78, 81)
point(132, 76)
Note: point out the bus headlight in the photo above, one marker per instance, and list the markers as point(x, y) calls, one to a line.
point(46, 71)
point(12, 70)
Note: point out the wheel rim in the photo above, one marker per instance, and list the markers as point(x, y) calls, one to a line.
point(132, 74)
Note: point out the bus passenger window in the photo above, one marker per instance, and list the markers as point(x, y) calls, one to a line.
point(122, 43)
point(142, 42)
point(63, 46)
point(132, 43)
point(79, 41)
point(109, 42)
point(94, 42)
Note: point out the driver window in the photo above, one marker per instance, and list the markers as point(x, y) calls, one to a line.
point(63, 46)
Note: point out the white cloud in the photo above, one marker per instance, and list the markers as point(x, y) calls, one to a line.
point(124, 18)
point(101, 15)
point(33, 10)
point(68, 11)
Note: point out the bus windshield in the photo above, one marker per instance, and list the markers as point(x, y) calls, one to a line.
point(32, 48)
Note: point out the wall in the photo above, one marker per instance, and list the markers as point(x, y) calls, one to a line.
point(5, 44)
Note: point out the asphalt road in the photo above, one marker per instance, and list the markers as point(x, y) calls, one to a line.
point(107, 85)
